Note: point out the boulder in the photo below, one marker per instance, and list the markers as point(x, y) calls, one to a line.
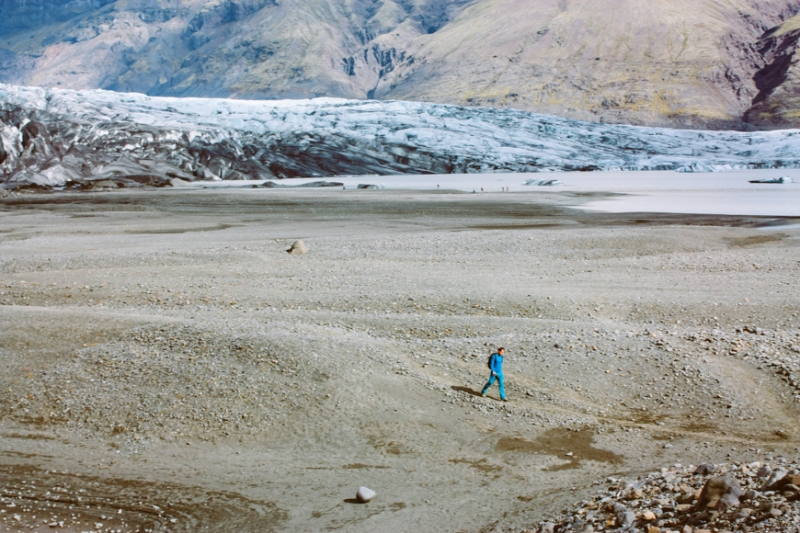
point(705, 469)
point(774, 478)
point(718, 487)
point(365, 494)
point(298, 248)
point(787, 479)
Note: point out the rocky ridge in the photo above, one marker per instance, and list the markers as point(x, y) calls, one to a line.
point(777, 101)
point(106, 140)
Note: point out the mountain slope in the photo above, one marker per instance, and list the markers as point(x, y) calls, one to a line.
point(680, 62)
point(662, 62)
point(777, 104)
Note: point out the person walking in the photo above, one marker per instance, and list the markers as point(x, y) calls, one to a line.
point(496, 367)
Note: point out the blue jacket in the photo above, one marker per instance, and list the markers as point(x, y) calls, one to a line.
point(496, 363)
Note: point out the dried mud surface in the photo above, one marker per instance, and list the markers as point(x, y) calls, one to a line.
point(169, 367)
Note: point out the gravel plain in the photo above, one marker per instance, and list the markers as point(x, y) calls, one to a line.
point(169, 367)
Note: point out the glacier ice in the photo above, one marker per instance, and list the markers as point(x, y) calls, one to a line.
point(52, 137)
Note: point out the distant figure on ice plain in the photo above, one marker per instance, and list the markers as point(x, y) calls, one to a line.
point(496, 368)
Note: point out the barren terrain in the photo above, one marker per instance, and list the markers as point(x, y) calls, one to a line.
point(169, 367)
point(715, 64)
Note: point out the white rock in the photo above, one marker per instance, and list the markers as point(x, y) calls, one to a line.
point(364, 494)
point(298, 248)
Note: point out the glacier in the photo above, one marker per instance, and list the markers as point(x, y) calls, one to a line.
point(81, 139)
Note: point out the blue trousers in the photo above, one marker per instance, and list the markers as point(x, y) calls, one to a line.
point(500, 381)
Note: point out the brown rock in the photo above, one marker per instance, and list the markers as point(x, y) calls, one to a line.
point(635, 494)
point(705, 469)
point(648, 515)
point(717, 487)
point(788, 479)
point(653, 529)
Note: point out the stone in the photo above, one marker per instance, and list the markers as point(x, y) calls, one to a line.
point(705, 469)
point(626, 519)
point(728, 501)
point(649, 516)
point(785, 481)
point(717, 487)
point(586, 529)
point(653, 529)
point(764, 471)
point(775, 513)
point(749, 495)
point(298, 248)
point(547, 527)
point(775, 477)
point(365, 494)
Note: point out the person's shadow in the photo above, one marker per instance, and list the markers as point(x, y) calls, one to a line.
point(466, 389)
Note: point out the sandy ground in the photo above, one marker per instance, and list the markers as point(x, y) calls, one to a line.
point(169, 367)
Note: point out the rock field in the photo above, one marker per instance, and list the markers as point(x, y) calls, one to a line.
point(726, 497)
point(170, 367)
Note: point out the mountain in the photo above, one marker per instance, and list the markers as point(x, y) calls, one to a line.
point(53, 137)
point(685, 63)
point(777, 103)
